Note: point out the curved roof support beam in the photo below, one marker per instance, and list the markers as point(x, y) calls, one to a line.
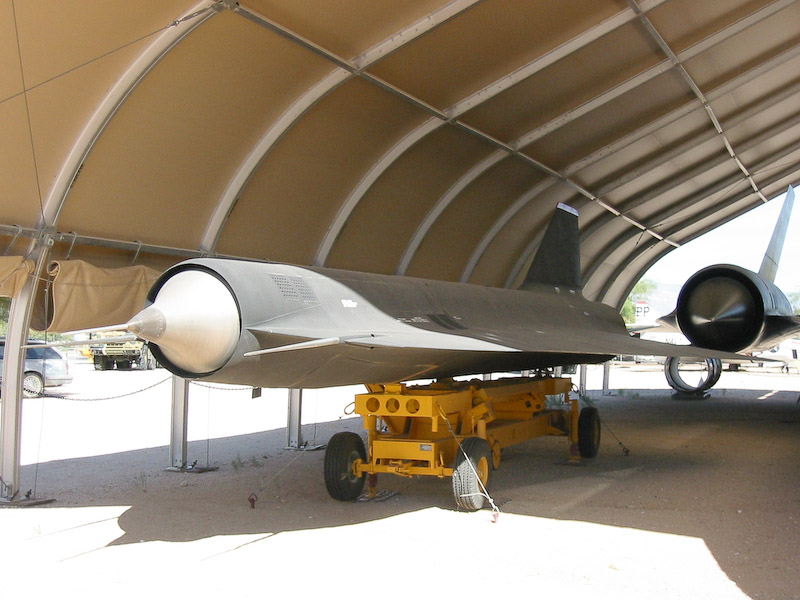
point(316, 93)
point(780, 178)
point(695, 171)
point(669, 118)
point(366, 182)
point(654, 71)
point(583, 109)
point(620, 270)
point(677, 61)
point(661, 254)
point(112, 102)
point(719, 187)
point(498, 226)
point(522, 259)
point(452, 113)
point(432, 216)
point(22, 307)
point(259, 152)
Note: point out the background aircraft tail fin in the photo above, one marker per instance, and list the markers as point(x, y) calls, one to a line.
point(558, 259)
point(769, 265)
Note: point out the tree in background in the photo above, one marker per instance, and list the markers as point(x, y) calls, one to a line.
point(5, 303)
point(794, 298)
point(641, 291)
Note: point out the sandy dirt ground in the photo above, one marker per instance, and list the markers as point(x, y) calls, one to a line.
point(705, 503)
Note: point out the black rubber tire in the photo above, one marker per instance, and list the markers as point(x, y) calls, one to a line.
point(342, 451)
point(672, 366)
point(467, 489)
point(32, 385)
point(589, 432)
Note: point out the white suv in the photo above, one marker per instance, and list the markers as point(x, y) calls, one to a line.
point(43, 367)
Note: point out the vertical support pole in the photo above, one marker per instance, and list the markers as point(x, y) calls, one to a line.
point(11, 416)
point(582, 381)
point(178, 444)
point(294, 434)
point(19, 320)
point(606, 377)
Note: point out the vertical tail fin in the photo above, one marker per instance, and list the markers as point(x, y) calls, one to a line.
point(558, 259)
point(769, 265)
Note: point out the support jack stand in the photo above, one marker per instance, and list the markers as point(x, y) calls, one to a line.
point(305, 447)
point(192, 468)
point(26, 502)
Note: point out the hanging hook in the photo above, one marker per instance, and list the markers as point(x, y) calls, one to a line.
point(139, 249)
point(14, 241)
point(72, 243)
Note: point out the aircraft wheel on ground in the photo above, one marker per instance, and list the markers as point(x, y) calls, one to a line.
point(343, 450)
point(468, 475)
point(32, 385)
point(589, 432)
point(677, 370)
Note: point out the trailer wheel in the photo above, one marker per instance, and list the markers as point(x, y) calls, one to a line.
point(469, 474)
point(589, 432)
point(343, 450)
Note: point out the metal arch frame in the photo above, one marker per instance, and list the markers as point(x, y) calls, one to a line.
point(691, 106)
point(310, 98)
point(638, 274)
point(377, 169)
point(497, 227)
point(720, 186)
point(114, 100)
point(677, 61)
point(646, 247)
point(433, 215)
point(22, 307)
point(449, 116)
point(715, 161)
point(560, 121)
point(258, 154)
point(485, 94)
point(654, 126)
point(789, 173)
point(451, 113)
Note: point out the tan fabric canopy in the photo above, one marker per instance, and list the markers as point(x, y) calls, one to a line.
point(430, 138)
point(83, 296)
point(14, 271)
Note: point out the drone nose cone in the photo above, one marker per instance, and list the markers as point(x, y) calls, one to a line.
point(194, 323)
point(150, 324)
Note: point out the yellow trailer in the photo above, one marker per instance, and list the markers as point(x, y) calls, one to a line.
point(454, 429)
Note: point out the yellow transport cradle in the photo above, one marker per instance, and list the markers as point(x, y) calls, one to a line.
point(434, 429)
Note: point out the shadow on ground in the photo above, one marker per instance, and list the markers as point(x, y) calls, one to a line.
point(725, 470)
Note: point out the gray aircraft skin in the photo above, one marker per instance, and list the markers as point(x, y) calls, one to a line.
point(286, 326)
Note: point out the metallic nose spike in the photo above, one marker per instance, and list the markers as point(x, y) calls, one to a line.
point(194, 321)
point(150, 324)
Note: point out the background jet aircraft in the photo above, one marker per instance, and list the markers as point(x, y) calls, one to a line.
point(277, 325)
point(732, 309)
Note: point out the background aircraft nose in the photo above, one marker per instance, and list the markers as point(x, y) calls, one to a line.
point(193, 324)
